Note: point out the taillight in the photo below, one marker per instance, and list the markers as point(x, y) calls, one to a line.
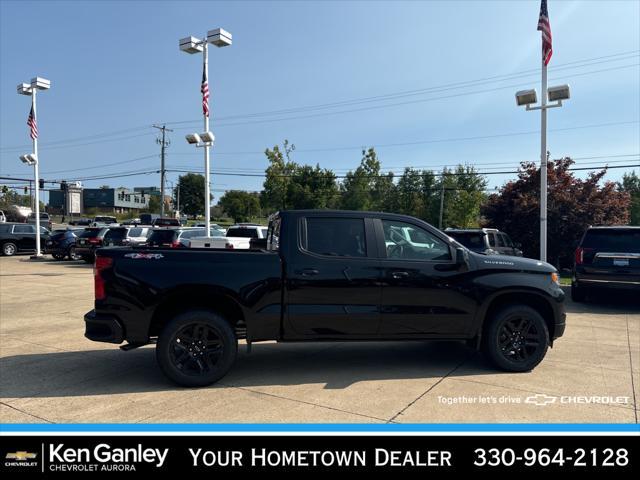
point(95, 241)
point(102, 263)
point(580, 254)
point(175, 244)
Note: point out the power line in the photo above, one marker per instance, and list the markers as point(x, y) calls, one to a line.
point(100, 137)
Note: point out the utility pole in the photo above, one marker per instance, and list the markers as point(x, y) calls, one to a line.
point(164, 143)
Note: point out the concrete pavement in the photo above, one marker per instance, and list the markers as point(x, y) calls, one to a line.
point(50, 373)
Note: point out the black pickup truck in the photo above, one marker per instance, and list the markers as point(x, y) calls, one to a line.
point(324, 276)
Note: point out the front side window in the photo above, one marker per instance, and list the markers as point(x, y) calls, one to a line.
point(409, 242)
point(506, 240)
point(341, 237)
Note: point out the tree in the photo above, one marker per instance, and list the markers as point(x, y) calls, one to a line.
point(631, 185)
point(290, 185)
point(573, 204)
point(191, 187)
point(363, 188)
point(464, 195)
point(241, 206)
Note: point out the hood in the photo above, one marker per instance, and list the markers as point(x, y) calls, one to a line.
point(507, 262)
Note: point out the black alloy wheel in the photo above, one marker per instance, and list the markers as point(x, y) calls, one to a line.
point(516, 338)
point(196, 348)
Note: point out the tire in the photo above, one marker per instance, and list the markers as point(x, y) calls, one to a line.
point(578, 294)
point(9, 249)
point(516, 338)
point(179, 351)
point(71, 253)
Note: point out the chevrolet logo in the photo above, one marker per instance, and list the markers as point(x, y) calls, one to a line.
point(541, 399)
point(21, 456)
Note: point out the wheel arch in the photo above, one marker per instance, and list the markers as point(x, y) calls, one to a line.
point(198, 297)
point(531, 298)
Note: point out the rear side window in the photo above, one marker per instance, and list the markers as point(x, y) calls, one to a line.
point(342, 237)
point(135, 232)
point(24, 229)
point(5, 228)
point(613, 240)
point(470, 240)
point(116, 234)
point(492, 240)
point(162, 236)
point(242, 232)
point(506, 240)
point(200, 232)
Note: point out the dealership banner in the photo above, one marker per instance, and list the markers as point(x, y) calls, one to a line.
point(53, 456)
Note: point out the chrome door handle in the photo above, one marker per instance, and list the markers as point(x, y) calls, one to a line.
point(399, 275)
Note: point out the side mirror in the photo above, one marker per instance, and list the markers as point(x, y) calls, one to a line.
point(461, 257)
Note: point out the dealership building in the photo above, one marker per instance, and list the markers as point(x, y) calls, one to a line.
point(105, 200)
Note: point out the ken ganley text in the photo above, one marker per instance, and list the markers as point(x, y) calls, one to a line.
point(262, 457)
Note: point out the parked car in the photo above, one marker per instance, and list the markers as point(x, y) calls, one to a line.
point(125, 235)
point(20, 237)
point(88, 241)
point(132, 221)
point(489, 241)
point(173, 237)
point(148, 218)
point(606, 258)
point(61, 244)
point(330, 276)
point(102, 220)
point(3, 217)
point(166, 222)
point(45, 220)
point(214, 226)
point(80, 221)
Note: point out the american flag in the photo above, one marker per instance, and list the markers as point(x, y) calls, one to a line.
point(204, 88)
point(545, 27)
point(31, 121)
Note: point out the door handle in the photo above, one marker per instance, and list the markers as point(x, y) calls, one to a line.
point(308, 272)
point(398, 275)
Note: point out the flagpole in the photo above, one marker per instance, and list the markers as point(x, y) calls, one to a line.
point(207, 213)
point(543, 165)
point(36, 169)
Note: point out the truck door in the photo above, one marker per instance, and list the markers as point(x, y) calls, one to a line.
point(422, 291)
point(333, 287)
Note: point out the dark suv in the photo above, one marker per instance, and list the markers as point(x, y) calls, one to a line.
point(489, 241)
point(88, 241)
point(61, 244)
point(606, 257)
point(20, 237)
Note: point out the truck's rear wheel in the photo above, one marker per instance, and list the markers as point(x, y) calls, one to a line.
point(196, 348)
point(516, 338)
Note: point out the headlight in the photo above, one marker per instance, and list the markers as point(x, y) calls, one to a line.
point(555, 278)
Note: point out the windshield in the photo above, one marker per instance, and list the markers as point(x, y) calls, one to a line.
point(162, 236)
point(116, 234)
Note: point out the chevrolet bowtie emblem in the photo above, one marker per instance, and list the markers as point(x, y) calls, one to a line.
point(541, 399)
point(21, 456)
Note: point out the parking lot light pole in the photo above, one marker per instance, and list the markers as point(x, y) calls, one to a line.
point(191, 45)
point(37, 83)
point(528, 98)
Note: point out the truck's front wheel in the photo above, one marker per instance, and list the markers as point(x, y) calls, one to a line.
point(196, 348)
point(516, 338)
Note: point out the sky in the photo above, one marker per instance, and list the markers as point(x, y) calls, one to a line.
point(428, 83)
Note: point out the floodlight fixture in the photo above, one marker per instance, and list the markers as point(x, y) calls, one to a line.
point(207, 137)
point(526, 97)
point(219, 37)
point(559, 93)
point(40, 83)
point(191, 45)
point(193, 138)
point(29, 159)
point(24, 89)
